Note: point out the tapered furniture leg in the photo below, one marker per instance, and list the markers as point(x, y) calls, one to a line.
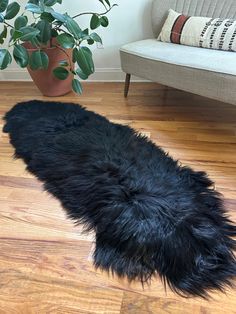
point(127, 84)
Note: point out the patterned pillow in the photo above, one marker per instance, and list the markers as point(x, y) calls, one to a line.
point(197, 31)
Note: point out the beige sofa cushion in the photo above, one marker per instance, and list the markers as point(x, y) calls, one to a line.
point(193, 57)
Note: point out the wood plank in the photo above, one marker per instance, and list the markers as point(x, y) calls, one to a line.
point(134, 303)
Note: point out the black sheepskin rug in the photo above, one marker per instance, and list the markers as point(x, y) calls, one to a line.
point(150, 215)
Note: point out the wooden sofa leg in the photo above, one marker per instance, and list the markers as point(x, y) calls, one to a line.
point(127, 84)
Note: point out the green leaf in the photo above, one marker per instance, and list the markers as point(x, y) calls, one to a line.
point(34, 1)
point(54, 33)
point(73, 27)
point(16, 34)
point(107, 2)
point(96, 37)
point(33, 8)
point(5, 58)
point(1, 18)
point(104, 21)
point(47, 9)
point(61, 73)
point(87, 50)
point(20, 21)
point(83, 57)
point(76, 86)
point(45, 31)
point(74, 55)
point(66, 40)
point(50, 3)
point(28, 32)
point(58, 16)
point(3, 5)
point(81, 74)
point(95, 21)
point(101, 1)
point(21, 55)
point(86, 31)
point(64, 63)
point(38, 60)
point(47, 16)
point(12, 10)
point(35, 42)
point(59, 1)
point(84, 34)
point(3, 34)
point(90, 41)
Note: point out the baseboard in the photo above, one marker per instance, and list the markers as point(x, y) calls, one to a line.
point(15, 75)
point(101, 75)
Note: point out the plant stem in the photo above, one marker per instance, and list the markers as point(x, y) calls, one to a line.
point(8, 24)
point(57, 28)
point(65, 54)
point(91, 13)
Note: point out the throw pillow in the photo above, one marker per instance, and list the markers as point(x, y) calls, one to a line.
point(205, 32)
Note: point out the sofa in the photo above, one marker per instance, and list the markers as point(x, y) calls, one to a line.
point(206, 72)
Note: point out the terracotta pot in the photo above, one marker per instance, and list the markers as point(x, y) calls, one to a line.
point(45, 80)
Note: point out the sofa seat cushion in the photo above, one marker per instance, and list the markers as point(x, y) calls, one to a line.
point(192, 57)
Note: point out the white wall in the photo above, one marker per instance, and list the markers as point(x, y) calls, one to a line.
point(130, 21)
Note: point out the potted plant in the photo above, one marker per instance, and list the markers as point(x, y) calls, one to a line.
point(51, 45)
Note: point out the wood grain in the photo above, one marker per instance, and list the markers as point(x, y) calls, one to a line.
point(45, 260)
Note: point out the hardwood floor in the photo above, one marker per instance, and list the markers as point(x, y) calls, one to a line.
point(45, 261)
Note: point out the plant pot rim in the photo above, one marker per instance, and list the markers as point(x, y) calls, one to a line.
point(41, 48)
point(37, 48)
point(29, 47)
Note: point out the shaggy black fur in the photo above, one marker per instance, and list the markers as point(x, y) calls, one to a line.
point(150, 215)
